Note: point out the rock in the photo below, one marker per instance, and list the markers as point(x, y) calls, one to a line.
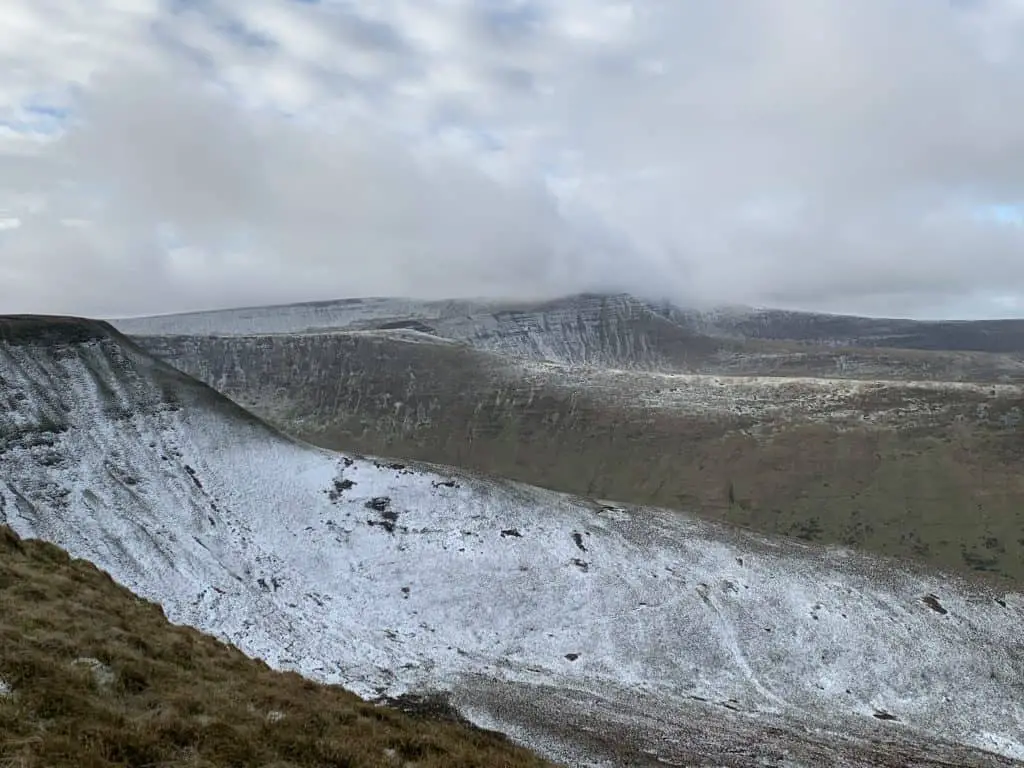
point(102, 675)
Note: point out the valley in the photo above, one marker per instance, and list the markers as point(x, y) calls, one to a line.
point(401, 578)
point(911, 453)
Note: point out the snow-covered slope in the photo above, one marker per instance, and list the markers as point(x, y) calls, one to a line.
point(296, 318)
point(623, 331)
point(589, 329)
point(392, 578)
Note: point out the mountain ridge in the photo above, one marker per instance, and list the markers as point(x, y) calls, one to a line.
point(723, 323)
point(396, 577)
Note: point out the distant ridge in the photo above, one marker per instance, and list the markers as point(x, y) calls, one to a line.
point(463, 319)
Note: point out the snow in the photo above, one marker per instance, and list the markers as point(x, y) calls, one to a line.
point(479, 319)
point(591, 333)
point(579, 330)
point(769, 397)
point(390, 578)
point(297, 318)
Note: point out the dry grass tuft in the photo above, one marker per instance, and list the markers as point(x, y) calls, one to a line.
point(92, 676)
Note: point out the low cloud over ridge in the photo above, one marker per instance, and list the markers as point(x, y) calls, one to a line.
point(862, 157)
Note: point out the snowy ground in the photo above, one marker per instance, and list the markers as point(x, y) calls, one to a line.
point(297, 318)
point(777, 399)
point(392, 578)
point(578, 330)
point(621, 331)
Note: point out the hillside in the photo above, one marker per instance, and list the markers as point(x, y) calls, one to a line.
point(996, 336)
point(91, 676)
point(585, 330)
point(901, 453)
point(623, 331)
point(656, 637)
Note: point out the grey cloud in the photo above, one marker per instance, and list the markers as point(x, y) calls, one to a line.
point(370, 33)
point(318, 214)
point(818, 154)
point(506, 25)
point(887, 122)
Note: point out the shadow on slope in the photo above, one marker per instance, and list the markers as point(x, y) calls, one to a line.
point(128, 378)
point(91, 675)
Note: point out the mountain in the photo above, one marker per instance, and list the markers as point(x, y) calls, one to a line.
point(91, 675)
point(619, 329)
point(997, 336)
point(907, 453)
point(584, 330)
point(588, 630)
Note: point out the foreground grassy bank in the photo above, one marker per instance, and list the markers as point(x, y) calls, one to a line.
point(91, 676)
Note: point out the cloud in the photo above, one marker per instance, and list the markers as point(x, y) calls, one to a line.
point(805, 153)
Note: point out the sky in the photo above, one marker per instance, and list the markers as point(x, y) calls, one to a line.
point(859, 157)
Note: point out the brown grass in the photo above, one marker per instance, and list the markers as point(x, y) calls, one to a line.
point(153, 694)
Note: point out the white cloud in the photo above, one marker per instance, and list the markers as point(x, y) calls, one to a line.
point(813, 153)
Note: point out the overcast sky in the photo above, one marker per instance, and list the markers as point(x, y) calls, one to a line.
point(834, 155)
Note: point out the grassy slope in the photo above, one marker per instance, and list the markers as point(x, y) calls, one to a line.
point(168, 695)
point(956, 503)
point(942, 485)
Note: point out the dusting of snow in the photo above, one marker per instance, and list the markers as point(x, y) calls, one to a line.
point(578, 330)
point(999, 744)
point(392, 578)
point(297, 318)
point(6, 691)
point(618, 330)
point(776, 401)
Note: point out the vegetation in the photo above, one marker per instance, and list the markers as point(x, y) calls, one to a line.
point(901, 470)
point(91, 676)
